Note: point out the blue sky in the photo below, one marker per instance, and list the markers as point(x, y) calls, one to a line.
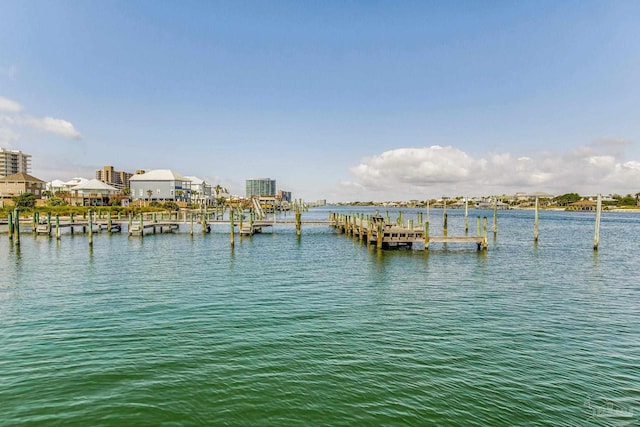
point(341, 100)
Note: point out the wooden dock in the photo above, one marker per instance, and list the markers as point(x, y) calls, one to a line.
point(375, 230)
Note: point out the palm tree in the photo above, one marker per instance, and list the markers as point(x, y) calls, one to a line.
point(217, 189)
point(47, 193)
point(126, 191)
point(149, 193)
point(180, 194)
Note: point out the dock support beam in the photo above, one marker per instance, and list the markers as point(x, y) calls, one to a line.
point(10, 224)
point(495, 215)
point(466, 215)
point(90, 228)
point(426, 236)
point(535, 222)
point(231, 213)
point(596, 237)
point(16, 227)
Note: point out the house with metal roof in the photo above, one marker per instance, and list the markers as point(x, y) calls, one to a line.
point(160, 185)
point(92, 192)
point(200, 191)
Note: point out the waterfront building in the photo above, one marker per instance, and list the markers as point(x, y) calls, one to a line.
point(20, 183)
point(13, 162)
point(114, 178)
point(284, 196)
point(92, 192)
point(200, 191)
point(159, 185)
point(260, 187)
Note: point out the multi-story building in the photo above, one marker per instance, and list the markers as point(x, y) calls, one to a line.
point(12, 162)
point(117, 179)
point(261, 187)
point(20, 183)
point(284, 196)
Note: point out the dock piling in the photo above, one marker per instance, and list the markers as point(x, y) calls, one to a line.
point(90, 228)
point(535, 221)
point(596, 237)
point(16, 227)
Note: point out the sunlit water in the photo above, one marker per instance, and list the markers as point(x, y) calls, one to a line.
point(323, 330)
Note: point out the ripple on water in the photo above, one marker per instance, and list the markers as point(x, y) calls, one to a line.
point(173, 330)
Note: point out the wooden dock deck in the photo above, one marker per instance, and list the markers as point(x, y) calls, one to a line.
point(375, 230)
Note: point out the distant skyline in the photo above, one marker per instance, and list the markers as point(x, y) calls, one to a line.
point(341, 101)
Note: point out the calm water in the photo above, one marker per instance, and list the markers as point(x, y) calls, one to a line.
point(174, 330)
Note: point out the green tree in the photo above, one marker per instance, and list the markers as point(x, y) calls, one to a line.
point(172, 206)
point(25, 201)
point(568, 198)
point(56, 201)
point(628, 200)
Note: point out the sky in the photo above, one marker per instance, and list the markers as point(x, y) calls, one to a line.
point(336, 100)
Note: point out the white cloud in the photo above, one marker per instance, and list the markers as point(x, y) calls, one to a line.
point(8, 105)
point(11, 120)
point(433, 171)
point(57, 126)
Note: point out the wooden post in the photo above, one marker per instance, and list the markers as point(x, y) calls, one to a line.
point(10, 224)
point(495, 215)
point(57, 226)
point(16, 227)
point(109, 221)
point(466, 215)
point(232, 227)
point(90, 228)
point(535, 222)
point(484, 224)
point(130, 222)
point(191, 226)
point(426, 236)
point(596, 237)
point(427, 210)
point(444, 216)
point(141, 225)
point(411, 224)
point(49, 224)
point(479, 229)
point(298, 223)
point(34, 222)
point(379, 236)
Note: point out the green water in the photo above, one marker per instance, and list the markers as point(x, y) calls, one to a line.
point(321, 330)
